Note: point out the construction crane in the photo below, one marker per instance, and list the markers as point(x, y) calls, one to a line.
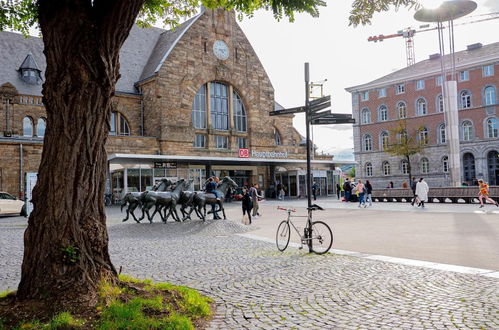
point(408, 34)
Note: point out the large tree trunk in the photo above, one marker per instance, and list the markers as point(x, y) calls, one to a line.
point(66, 242)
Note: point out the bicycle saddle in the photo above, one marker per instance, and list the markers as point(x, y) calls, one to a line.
point(315, 207)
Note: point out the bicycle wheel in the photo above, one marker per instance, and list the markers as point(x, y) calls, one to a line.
point(322, 237)
point(283, 235)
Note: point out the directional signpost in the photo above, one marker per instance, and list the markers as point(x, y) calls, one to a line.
point(314, 116)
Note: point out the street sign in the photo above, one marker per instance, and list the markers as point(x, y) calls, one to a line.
point(319, 101)
point(317, 115)
point(287, 111)
point(319, 106)
point(341, 115)
point(329, 121)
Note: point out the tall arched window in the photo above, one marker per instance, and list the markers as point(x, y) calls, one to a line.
point(366, 116)
point(383, 113)
point(439, 103)
point(219, 106)
point(277, 136)
point(369, 169)
point(386, 168)
point(404, 167)
point(421, 107)
point(445, 164)
point(27, 126)
point(40, 127)
point(383, 140)
point(489, 95)
point(239, 113)
point(491, 128)
point(465, 100)
point(119, 124)
point(402, 110)
point(368, 143)
point(469, 167)
point(403, 136)
point(442, 138)
point(423, 136)
point(199, 109)
point(467, 129)
point(425, 165)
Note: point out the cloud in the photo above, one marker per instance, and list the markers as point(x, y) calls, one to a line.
point(343, 127)
point(492, 4)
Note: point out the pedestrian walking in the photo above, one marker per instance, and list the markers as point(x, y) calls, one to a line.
point(369, 191)
point(348, 190)
point(314, 190)
point(247, 204)
point(254, 198)
point(484, 193)
point(413, 187)
point(338, 190)
point(280, 191)
point(361, 191)
point(422, 192)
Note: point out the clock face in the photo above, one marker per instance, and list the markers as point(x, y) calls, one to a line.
point(221, 50)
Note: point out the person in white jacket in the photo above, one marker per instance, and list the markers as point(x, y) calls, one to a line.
point(422, 191)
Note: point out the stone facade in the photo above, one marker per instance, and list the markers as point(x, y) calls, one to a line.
point(421, 82)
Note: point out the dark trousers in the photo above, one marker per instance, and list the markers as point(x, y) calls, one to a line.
point(247, 210)
point(347, 195)
point(314, 193)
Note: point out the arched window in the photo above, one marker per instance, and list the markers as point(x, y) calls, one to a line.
point(383, 140)
point(277, 137)
point(465, 100)
point(119, 124)
point(40, 127)
point(366, 116)
point(403, 136)
point(404, 167)
point(219, 106)
point(469, 167)
point(425, 165)
point(467, 129)
point(27, 126)
point(421, 107)
point(199, 109)
point(491, 128)
point(489, 95)
point(386, 168)
point(369, 169)
point(445, 164)
point(423, 136)
point(239, 113)
point(382, 113)
point(402, 110)
point(368, 143)
point(441, 134)
point(440, 103)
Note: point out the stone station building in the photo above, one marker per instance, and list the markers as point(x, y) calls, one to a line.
point(190, 102)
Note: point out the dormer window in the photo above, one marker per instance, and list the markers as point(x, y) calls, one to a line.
point(29, 71)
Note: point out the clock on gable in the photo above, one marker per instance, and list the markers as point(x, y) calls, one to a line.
point(221, 50)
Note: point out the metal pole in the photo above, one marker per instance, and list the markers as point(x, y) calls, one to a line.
point(307, 124)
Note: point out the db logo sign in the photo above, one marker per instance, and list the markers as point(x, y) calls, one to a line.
point(243, 153)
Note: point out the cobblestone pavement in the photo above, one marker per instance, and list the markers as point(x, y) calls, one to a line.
point(255, 286)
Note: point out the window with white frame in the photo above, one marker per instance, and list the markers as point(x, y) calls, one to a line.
point(242, 143)
point(199, 141)
point(425, 165)
point(441, 134)
point(489, 95)
point(464, 75)
point(421, 108)
point(219, 106)
point(119, 124)
point(239, 113)
point(400, 89)
point(423, 136)
point(386, 168)
point(420, 84)
point(465, 99)
point(440, 103)
point(368, 143)
point(366, 116)
point(384, 139)
point(369, 169)
point(381, 92)
point(439, 80)
point(402, 110)
point(467, 128)
point(488, 70)
point(445, 164)
point(403, 136)
point(27, 126)
point(40, 127)
point(492, 128)
point(199, 109)
point(404, 167)
point(221, 142)
point(364, 96)
point(383, 113)
point(277, 137)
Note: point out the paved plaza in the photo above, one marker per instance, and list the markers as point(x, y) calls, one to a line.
point(255, 286)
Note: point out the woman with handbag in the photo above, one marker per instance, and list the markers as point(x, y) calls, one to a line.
point(247, 205)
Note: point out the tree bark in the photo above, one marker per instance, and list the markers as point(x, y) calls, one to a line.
point(66, 243)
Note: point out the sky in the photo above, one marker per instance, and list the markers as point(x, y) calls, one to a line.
point(342, 55)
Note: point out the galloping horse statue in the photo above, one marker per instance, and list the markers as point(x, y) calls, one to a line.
point(167, 200)
point(200, 199)
point(186, 200)
point(134, 199)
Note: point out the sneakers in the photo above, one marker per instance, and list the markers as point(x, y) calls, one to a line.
point(481, 206)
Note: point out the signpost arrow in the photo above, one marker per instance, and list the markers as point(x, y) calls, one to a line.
point(319, 106)
point(319, 101)
point(287, 111)
point(322, 114)
point(339, 116)
point(329, 121)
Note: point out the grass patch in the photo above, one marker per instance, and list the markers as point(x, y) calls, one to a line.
point(5, 293)
point(131, 304)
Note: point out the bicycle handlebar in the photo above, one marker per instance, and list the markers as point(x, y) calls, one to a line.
point(284, 209)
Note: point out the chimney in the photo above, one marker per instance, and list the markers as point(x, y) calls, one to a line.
point(434, 56)
point(474, 46)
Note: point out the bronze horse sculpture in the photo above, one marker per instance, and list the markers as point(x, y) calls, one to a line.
point(201, 199)
point(134, 199)
point(186, 201)
point(163, 200)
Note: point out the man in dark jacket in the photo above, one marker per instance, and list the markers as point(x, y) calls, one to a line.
point(413, 187)
point(348, 190)
point(247, 203)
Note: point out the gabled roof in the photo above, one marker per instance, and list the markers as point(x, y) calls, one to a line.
point(463, 59)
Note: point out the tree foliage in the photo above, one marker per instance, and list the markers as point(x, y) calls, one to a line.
point(363, 10)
